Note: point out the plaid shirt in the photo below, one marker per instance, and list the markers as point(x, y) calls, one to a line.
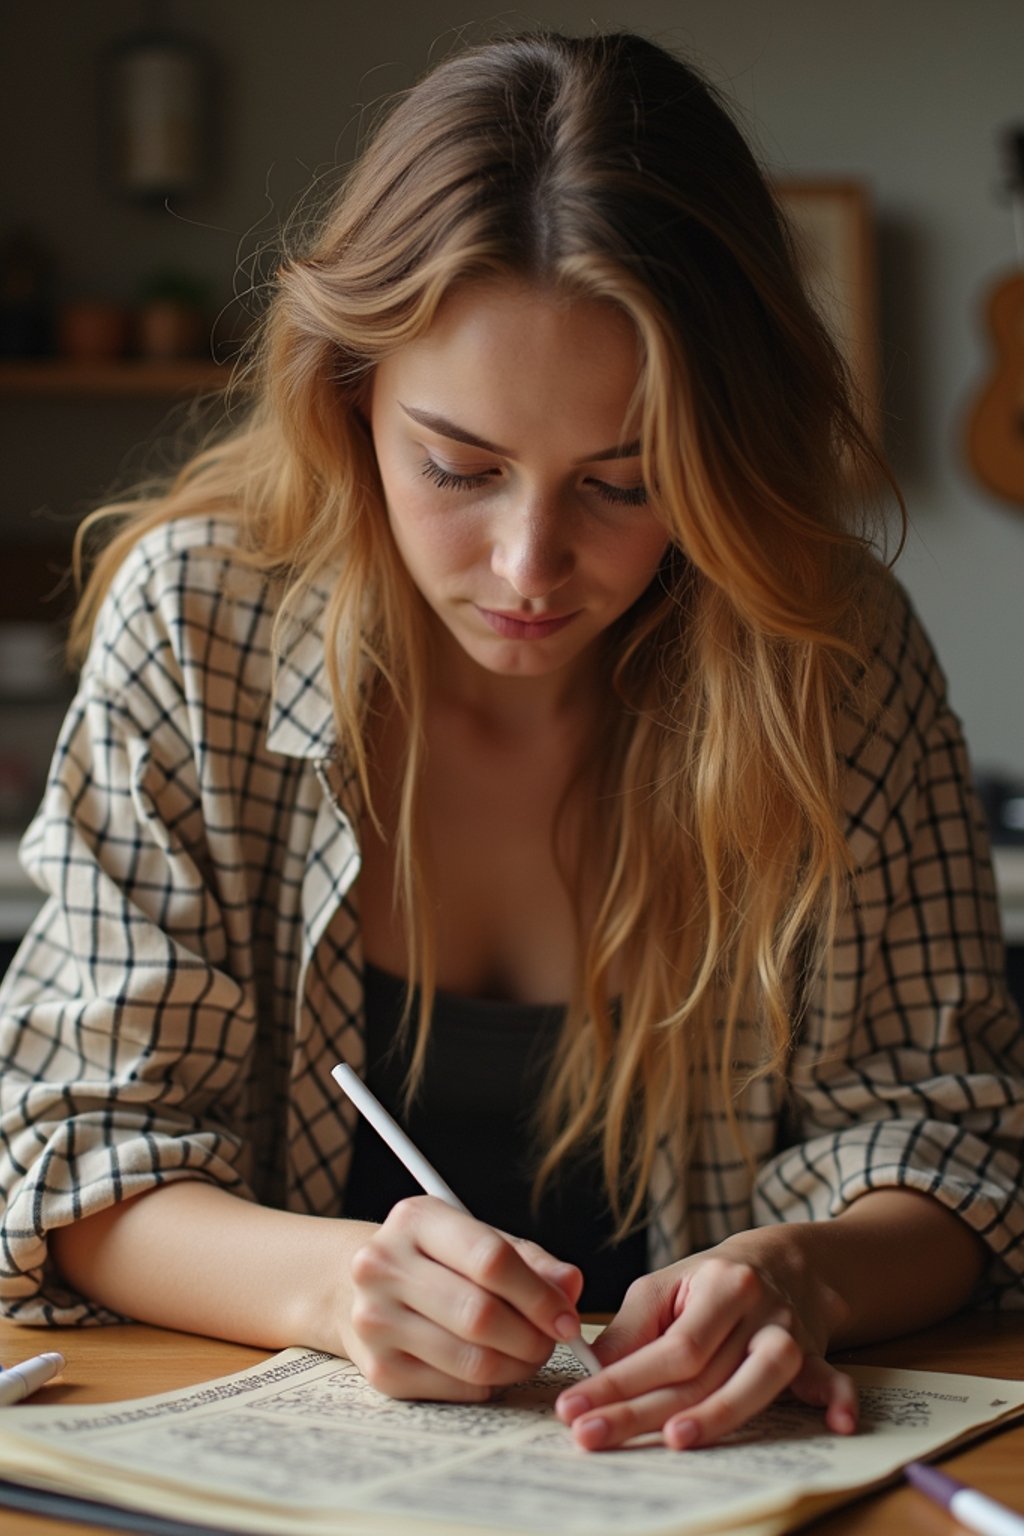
point(177, 1006)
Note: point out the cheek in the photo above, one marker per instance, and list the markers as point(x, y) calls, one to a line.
point(430, 540)
point(639, 557)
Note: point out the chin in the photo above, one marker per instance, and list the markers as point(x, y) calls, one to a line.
point(507, 664)
point(530, 659)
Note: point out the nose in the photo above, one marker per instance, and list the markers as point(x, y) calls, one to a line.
point(533, 551)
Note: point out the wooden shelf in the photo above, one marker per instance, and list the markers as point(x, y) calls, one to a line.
point(127, 378)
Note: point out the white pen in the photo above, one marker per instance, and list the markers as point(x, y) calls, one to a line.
point(18, 1381)
point(426, 1176)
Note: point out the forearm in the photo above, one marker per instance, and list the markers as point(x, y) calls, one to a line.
point(896, 1260)
point(191, 1256)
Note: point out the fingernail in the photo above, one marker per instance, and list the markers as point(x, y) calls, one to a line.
point(592, 1434)
point(567, 1326)
point(682, 1434)
point(571, 1406)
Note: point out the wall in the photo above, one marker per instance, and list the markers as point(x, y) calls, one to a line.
point(909, 94)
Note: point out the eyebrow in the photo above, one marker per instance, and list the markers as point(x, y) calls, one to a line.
point(446, 428)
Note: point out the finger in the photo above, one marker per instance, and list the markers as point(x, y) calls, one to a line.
point(481, 1254)
point(664, 1363)
point(616, 1423)
point(394, 1287)
point(453, 1358)
point(567, 1277)
point(774, 1360)
point(822, 1386)
point(619, 1422)
point(645, 1314)
point(406, 1377)
point(478, 1321)
point(712, 1313)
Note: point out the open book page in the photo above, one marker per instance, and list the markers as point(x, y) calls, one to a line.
point(301, 1444)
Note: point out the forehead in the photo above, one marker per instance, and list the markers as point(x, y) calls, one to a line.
point(503, 356)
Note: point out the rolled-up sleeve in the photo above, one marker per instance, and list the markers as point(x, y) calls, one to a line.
point(908, 1068)
point(126, 1020)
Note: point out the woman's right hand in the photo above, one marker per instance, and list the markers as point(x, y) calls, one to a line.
point(445, 1307)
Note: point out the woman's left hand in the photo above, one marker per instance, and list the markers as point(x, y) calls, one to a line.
point(700, 1347)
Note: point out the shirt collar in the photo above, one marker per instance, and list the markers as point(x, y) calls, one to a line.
point(301, 722)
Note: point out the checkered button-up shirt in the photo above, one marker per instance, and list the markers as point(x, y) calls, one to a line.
point(195, 973)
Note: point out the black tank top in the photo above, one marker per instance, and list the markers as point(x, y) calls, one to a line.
point(472, 1118)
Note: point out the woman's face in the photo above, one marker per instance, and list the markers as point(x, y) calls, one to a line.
point(512, 473)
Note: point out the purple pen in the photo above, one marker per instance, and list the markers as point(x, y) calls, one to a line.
point(971, 1508)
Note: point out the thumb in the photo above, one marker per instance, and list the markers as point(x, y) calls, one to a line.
point(637, 1322)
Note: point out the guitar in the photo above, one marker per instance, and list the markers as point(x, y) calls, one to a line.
point(995, 425)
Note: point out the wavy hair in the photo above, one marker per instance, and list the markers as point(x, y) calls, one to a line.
point(604, 168)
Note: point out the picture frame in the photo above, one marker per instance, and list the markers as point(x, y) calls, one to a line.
point(833, 227)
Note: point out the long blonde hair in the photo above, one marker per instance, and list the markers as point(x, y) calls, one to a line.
point(602, 167)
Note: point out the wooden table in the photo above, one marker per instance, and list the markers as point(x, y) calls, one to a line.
point(136, 1361)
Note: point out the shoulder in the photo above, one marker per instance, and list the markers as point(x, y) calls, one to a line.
point(905, 686)
point(190, 566)
point(186, 604)
point(896, 713)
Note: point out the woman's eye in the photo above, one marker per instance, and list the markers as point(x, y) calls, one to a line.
point(621, 495)
point(449, 481)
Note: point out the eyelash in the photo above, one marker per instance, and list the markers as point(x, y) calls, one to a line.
point(449, 481)
point(446, 480)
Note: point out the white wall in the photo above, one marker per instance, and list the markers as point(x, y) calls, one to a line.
point(909, 94)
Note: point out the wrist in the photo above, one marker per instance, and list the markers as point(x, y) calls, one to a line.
point(321, 1309)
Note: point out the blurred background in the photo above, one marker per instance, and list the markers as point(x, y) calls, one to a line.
point(154, 151)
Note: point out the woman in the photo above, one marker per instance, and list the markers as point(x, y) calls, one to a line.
point(512, 707)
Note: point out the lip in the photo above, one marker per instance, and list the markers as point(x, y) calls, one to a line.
point(512, 626)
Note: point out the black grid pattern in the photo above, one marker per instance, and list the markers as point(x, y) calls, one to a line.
point(196, 971)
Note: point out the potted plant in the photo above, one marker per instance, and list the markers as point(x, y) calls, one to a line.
point(172, 317)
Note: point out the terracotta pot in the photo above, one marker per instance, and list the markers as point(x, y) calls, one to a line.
point(92, 328)
point(167, 329)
